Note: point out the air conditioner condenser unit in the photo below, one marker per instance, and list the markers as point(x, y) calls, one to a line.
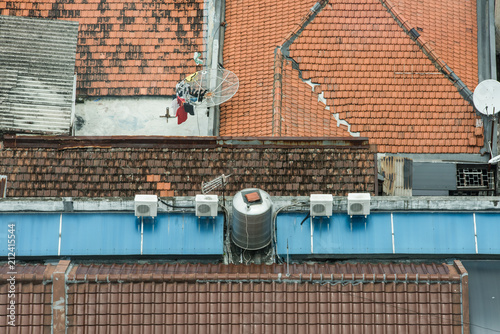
point(206, 205)
point(146, 205)
point(358, 204)
point(321, 205)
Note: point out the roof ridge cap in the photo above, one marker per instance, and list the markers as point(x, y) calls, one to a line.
point(423, 45)
point(295, 32)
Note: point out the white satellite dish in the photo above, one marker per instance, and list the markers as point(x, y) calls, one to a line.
point(494, 160)
point(487, 97)
point(209, 87)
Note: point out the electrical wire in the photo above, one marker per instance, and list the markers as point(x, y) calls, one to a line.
point(275, 242)
point(228, 232)
point(308, 215)
point(175, 206)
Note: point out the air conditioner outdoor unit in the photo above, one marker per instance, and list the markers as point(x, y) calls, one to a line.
point(321, 205)
point(146, 205)
point(358, 204)
point(206, 205)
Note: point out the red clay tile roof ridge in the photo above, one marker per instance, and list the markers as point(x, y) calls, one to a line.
point(318, 6)
point(461, 87)
point(328, 273)
point(280, 53)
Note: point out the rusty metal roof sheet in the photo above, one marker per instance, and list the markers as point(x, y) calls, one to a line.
point(37, 66)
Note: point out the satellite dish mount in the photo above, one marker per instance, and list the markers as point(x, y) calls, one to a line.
point(486, 100)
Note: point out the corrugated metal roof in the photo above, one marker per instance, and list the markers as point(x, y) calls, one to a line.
point(37, 66)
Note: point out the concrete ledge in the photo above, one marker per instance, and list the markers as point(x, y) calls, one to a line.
point(282, 203)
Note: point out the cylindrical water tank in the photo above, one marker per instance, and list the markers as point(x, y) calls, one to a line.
point(252, 219)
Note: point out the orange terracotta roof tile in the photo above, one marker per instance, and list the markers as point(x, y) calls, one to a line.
point(451, 28)
point(371, 74)
point(148, 42)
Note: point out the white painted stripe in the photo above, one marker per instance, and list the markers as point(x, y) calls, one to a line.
point(60, 233)
point(142, 233)
point(392, 231)
point(312, 248)
point(475, 232)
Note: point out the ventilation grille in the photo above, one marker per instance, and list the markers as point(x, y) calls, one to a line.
point(143, 209)
point(475, 180)
point(356, 208)
point(319, 209)
point(203, 208)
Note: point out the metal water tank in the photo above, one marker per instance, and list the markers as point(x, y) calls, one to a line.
point(252, 219)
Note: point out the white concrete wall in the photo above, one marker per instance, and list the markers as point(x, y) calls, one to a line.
point(122, 116)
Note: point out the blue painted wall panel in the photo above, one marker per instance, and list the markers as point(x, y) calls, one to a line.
point(488, 233)
point(100, 234)
point(357, 235)
point(289, 230)
point(35, 235)
point(434, 233)
point(334, 235)
point(184, 234)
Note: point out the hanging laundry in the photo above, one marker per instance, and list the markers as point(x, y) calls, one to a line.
point(189, 108)
point(175, 105)
point(178, 110)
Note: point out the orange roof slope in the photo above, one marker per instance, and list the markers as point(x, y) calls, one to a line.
point(376, 77)
point(373, 76)
point(255, 29)
point(127, 47)
point(450, 28)
point(301, 112)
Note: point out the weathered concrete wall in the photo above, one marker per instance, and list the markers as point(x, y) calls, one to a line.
point(288, 203)
point(110, 116)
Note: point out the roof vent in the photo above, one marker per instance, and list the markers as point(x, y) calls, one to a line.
point(414, 33)
point(206, 205)
point(358, 204)
point(321, 205)
point(146, 205)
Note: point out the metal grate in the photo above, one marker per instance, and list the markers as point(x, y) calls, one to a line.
point(475, 180)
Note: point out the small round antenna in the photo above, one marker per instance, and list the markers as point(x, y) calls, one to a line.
point(209, 87)
point(487, 97)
